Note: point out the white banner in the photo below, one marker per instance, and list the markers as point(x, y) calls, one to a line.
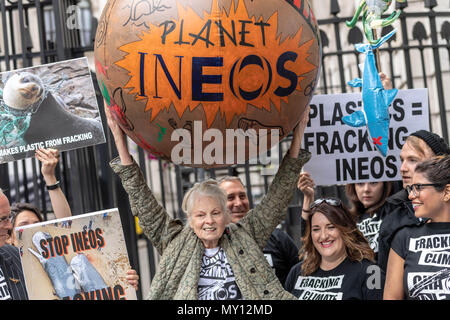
point(342, 154)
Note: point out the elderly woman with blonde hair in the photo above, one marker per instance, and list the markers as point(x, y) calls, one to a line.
point(211, 258)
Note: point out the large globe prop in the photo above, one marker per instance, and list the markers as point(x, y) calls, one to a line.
point(182, 77)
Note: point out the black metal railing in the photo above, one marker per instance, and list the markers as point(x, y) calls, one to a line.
point(86, 177)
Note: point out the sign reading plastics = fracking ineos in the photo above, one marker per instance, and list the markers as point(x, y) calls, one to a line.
point(343, 154)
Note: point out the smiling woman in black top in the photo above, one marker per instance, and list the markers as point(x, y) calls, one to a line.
point(368, 206)
point(336, 259)
point(419, 259)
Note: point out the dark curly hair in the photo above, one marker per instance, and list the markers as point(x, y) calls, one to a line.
point(436, 170)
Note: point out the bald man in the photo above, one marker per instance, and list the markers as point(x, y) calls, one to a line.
point(12, 282)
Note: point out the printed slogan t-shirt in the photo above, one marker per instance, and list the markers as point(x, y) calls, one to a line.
point(426, 251)
point(217, 280)
point(4, 290)
point(349, 280)
point(369, 225)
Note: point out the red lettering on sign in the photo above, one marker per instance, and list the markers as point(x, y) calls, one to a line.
point(377, 141)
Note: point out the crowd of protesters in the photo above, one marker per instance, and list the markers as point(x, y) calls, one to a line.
point(385, 245)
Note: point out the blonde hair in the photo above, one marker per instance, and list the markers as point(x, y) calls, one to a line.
point(419, 145)
point(207, 188)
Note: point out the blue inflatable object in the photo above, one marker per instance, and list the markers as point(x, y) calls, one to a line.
point(376, 100)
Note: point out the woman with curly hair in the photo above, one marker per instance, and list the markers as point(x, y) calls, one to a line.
point(336, 261)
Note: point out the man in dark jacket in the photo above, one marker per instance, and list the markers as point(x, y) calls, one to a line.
point(12, 282)
point(280, 251)
point(418, 147)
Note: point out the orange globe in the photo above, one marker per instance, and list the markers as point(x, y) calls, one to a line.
point(207, 83)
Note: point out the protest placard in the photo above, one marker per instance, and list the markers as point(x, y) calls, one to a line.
point(83, 257)
point(342, 154)
point(48, 106)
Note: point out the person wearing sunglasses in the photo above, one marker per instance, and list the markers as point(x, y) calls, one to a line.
point(336, 261)
point(367, 204)
point(419, 259)
point(419, 146)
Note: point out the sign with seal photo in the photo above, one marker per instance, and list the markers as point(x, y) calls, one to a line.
point(83, 257)
point(48, 106)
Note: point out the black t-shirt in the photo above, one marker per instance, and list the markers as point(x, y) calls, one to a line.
point(369, 225)
point(348, 281)
point(281, 253)
point(12, 273)
point(400, 215)
point(426, 251)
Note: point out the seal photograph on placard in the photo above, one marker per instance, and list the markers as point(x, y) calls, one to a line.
point(49, 106)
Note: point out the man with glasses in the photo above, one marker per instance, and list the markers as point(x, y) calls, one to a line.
point(419, 146)
point(12, 282)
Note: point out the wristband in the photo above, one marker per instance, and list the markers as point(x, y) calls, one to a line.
point(307, 211)
point(53, 186)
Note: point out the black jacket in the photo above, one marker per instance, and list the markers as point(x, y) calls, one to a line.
point(281, 253)
point(367, 224)
point(402, 215)
point(12, 269)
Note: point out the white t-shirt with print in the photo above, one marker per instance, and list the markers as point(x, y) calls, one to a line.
point(217, 280)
